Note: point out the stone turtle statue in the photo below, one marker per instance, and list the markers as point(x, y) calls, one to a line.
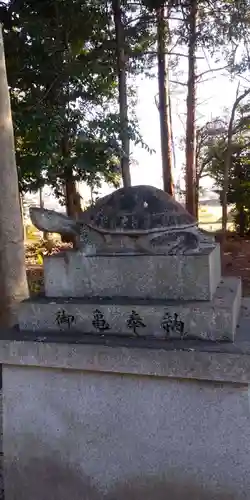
point(136, 220)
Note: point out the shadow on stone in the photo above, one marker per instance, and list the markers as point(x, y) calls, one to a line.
point(50, 479)
point(155, 488)
point(47, 479)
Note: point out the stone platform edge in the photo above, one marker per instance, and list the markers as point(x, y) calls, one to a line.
point(219, 366)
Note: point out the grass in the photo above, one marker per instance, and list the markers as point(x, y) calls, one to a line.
point(31, 233)
point(210, 219)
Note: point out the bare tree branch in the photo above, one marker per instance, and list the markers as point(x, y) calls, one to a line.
point(244, 78)
point(184, 55)
point(208, 79)
point(178, 83)
point(156, 102)
point(177, 54)
point(211, 71)
point(205, 56)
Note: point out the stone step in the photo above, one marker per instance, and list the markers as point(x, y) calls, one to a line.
point(173, 277)
point(211, 320)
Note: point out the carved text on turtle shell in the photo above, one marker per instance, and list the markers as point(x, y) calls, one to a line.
point(172, 220)
point(124, 221)
point(84, 238)
point(134, 222)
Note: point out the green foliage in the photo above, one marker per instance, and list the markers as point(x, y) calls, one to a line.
point(63, 78)
point(222, 29)
point(62, 74)
point(208, 138)
point(213, 157)
point(223, 24)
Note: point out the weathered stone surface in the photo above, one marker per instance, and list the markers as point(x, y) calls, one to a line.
point(186, 277)
point(220, 362)
point(86, 435)
point(214, 320)
point(160, 224)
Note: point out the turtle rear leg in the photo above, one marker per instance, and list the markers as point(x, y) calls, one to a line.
point(154, 244)
point(143, 246)
point(170, 243)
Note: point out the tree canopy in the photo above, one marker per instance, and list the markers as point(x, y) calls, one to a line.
point(63, 84)
point(212, 157)
point(63, 77)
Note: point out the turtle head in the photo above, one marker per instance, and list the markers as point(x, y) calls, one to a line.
point(52, 222)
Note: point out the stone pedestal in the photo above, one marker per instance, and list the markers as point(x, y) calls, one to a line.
point(213, 320)
point(173, 277)
point(123, 283)
point(103, 416)
point(158, 296)
point(95, 422)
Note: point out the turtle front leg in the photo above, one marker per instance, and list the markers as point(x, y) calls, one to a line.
point(89, 240)
point(144, 247)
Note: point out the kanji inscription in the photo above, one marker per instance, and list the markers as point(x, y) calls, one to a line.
point(99, 322)
point(63, 318)
point(172, 325)
point(134, 322)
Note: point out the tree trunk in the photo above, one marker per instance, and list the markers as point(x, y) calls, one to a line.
point(70, 192)
point(72, 201)
point(228, 160)
point(71, 198)
point(164, 108)
point(197, 187)
point(41, 204)
point(22, 217)
point(13, 287)
point(242, 220)
point(196, 182)
point(191, 105)
point(172, 134)
point(123, 97)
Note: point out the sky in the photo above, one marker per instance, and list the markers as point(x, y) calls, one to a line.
point(217, 94)
point(213, 96)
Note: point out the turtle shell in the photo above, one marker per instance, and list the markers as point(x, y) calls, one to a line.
point(137, 209)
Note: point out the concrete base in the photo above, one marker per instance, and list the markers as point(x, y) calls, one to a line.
point(213, 320)
point(176, 277)
point(99, 423)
